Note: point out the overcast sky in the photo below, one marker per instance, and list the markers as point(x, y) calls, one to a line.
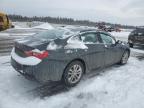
point(115, 11)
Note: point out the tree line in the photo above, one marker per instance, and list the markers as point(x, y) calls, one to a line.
point(60, 20)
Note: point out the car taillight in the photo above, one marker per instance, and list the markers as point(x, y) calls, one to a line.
point(40, 55)
point(29, 53)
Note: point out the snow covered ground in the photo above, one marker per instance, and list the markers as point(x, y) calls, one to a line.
point(121, 35)
point(116, 87)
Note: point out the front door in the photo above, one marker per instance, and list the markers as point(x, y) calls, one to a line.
point(111, 49)
point(95, 52)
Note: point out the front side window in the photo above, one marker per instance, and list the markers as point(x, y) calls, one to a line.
point(89, 38)
point(107, 39)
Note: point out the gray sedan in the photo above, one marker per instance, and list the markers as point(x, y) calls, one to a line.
point(66, 55)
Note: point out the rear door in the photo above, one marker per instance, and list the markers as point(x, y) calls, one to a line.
point(112, 51)
point(95, 52)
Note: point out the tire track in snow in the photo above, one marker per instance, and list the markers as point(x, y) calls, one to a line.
point(48, 89)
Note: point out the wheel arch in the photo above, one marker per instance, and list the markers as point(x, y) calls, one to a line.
point(82, 61)
point(77, 59)
point(69, 63)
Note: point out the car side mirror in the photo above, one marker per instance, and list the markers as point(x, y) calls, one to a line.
point(118, 42)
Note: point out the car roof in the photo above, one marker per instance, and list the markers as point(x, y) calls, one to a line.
point(81, 30)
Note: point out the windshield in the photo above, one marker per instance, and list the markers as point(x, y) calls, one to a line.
point(53, 34)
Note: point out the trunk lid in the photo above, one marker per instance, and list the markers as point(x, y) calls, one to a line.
point(28, 44)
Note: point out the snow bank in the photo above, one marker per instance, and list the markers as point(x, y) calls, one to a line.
point(44, 26)
point(4, 34)
point(20, 24)
point(19, 27)
point(26, 25)
point(16, 34)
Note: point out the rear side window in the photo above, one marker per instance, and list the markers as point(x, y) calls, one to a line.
point(89, 38)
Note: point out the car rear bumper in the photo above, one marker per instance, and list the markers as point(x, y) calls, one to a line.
point(31, 61)
point(45, 71)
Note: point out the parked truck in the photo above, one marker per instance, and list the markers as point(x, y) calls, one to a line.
point(5, 22)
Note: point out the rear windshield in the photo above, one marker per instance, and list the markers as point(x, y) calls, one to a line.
point(52, 34)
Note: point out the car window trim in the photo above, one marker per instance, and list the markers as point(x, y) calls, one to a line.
point(107, 35)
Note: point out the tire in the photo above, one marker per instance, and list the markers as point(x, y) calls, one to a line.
point(124, 58)
point(131, 45)
point(73, 73)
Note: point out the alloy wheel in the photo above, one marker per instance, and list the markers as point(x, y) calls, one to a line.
point(74, 73)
